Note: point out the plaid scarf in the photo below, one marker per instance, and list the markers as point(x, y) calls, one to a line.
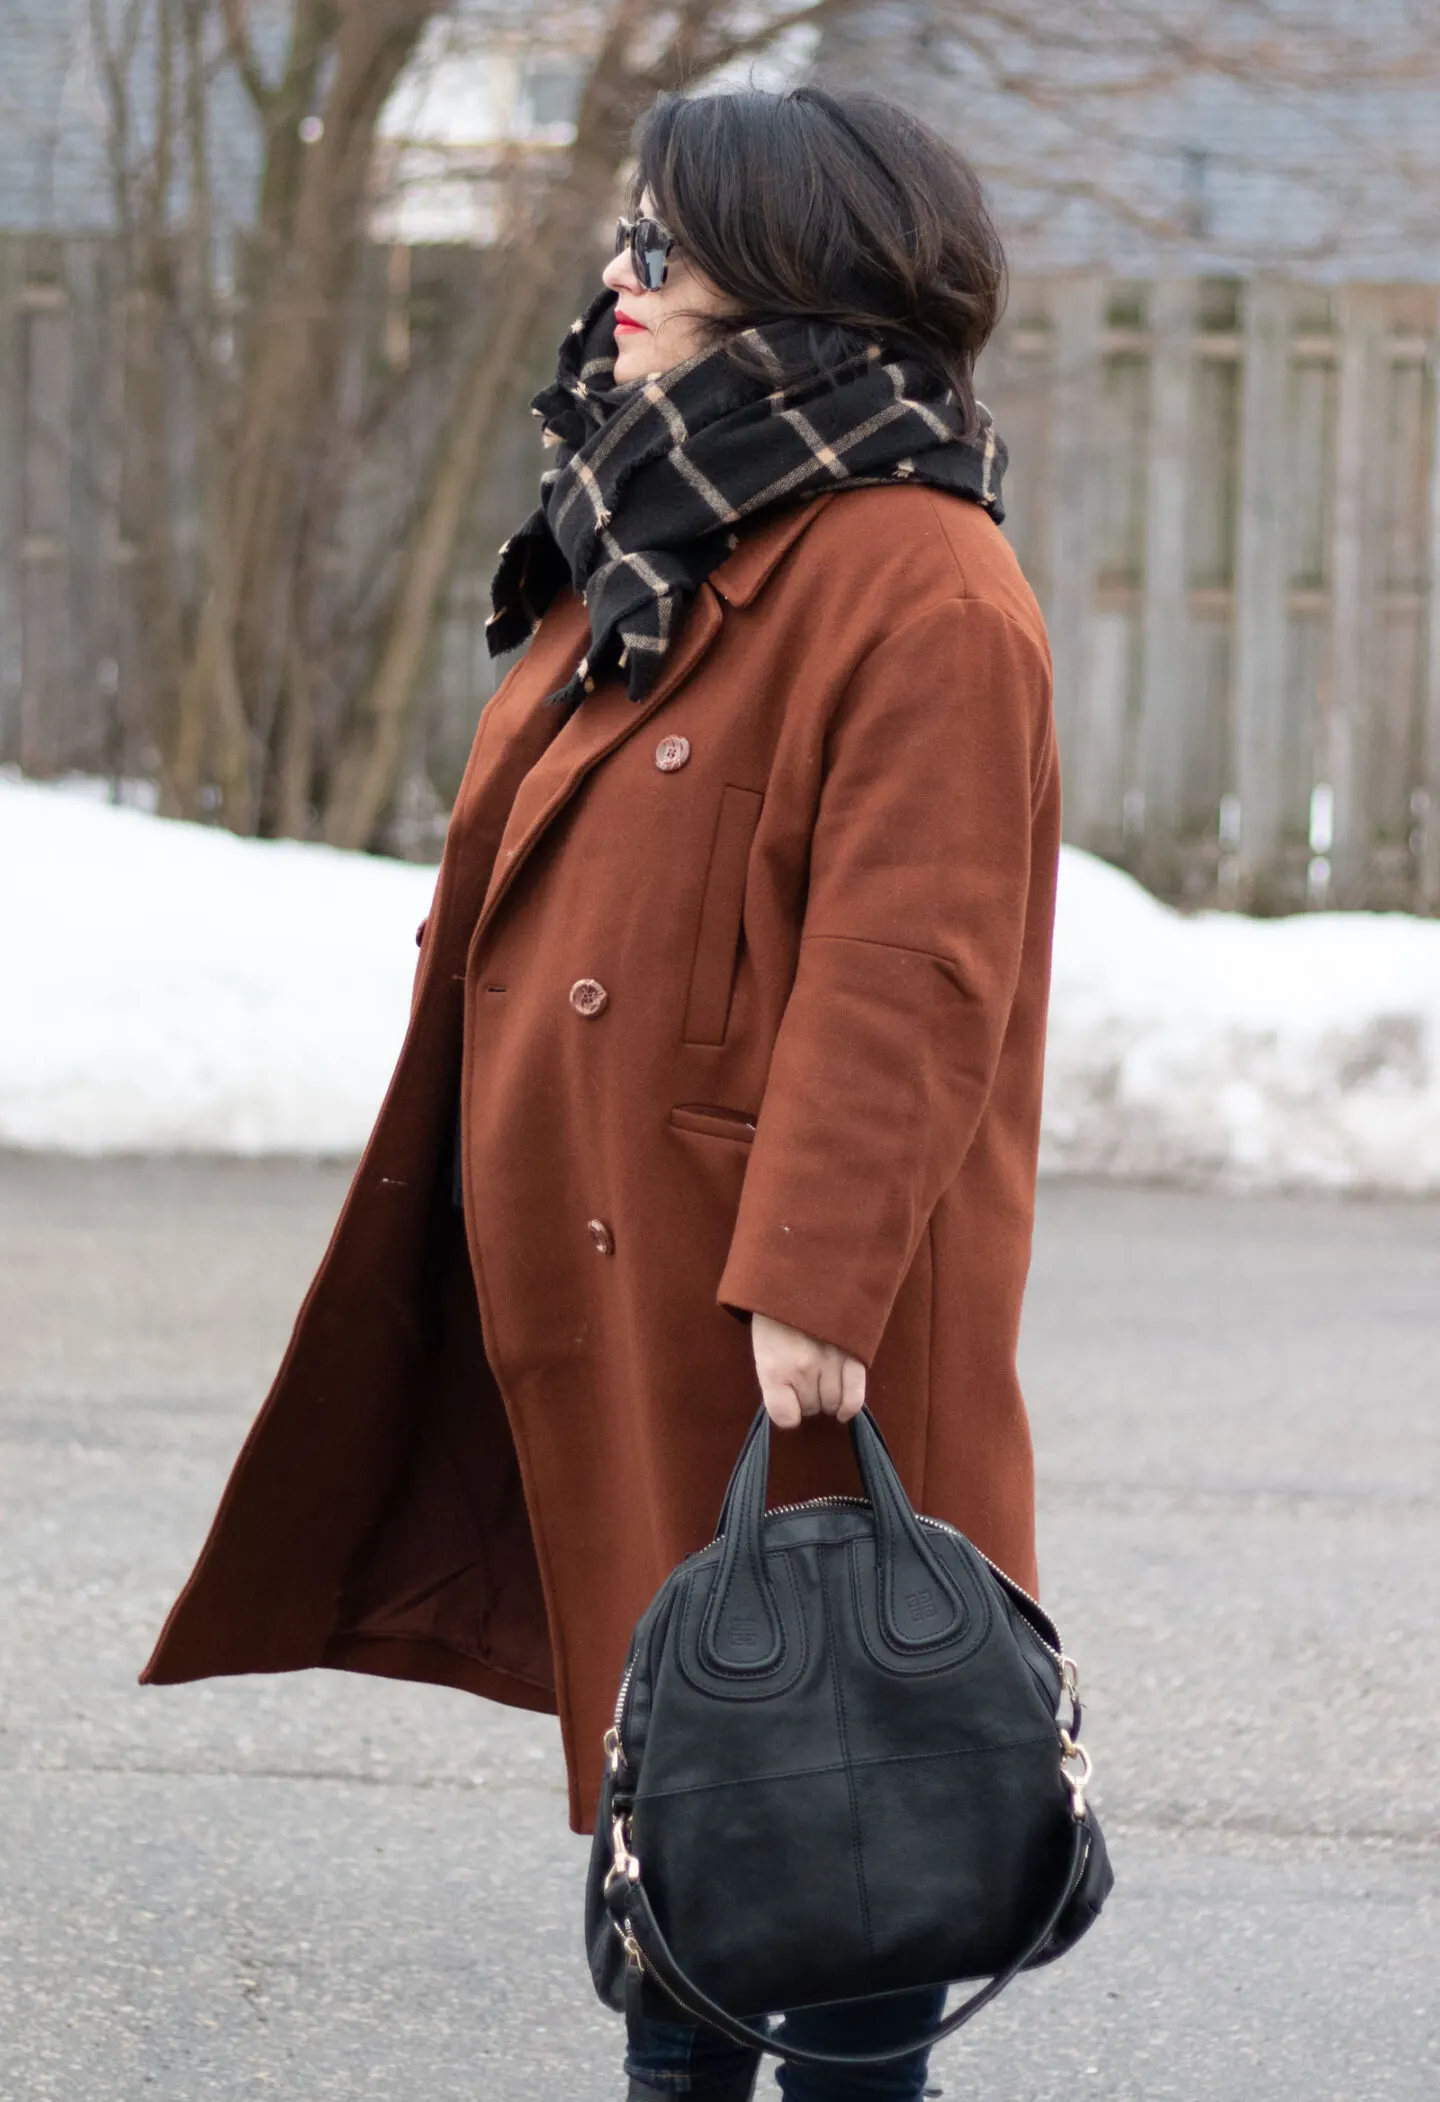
point(653, 477)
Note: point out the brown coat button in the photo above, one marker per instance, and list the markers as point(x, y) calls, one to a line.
point(588, 997)
point(601, 1237)
point(672, 753)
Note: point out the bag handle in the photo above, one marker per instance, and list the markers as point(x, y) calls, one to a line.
point(918, 1604)
point(646, 1949)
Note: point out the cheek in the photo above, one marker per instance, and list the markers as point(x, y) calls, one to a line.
point(677, 326)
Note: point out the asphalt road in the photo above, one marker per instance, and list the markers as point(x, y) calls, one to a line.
point(322, 1887)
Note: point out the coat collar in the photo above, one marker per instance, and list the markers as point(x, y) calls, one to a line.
point(740, 576)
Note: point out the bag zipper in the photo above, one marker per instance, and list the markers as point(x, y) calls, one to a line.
point(620, 1701)
point(862, 1503)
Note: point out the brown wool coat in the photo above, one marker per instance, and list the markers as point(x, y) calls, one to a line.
point(743, 992)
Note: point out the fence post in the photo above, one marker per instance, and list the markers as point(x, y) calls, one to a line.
point(46, 663)
point(1261, 582)
point(1077, 308)
point(1165, 614)
point(1429, 783)
point(1359, 415)
point(12, 454)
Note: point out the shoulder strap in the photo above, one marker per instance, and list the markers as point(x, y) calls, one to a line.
point(648, 1950)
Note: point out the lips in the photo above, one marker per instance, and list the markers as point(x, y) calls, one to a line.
point(624, 320)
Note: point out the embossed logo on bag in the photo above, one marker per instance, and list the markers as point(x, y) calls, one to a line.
point(922, 1605)
point(743, 1630)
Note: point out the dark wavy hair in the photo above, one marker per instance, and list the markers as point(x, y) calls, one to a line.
point(842, 211)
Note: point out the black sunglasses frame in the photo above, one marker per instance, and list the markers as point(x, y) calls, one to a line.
point(651, 245)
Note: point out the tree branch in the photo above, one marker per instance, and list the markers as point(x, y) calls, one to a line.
point(243, 55)
point(701, 56)
point(212, 706)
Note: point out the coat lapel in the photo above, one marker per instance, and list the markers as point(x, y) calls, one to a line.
point(602, 723)
point(608, 718)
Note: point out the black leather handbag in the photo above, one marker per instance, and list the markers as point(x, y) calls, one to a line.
point(845, 1762)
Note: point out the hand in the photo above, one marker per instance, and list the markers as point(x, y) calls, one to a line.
point(800, 1376)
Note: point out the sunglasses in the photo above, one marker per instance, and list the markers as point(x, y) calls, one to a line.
point(649, 244)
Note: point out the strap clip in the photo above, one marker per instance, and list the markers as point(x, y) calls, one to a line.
point(1077, 1783)
point(624, 1867)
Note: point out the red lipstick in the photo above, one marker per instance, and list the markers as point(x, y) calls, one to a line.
point(624, 320)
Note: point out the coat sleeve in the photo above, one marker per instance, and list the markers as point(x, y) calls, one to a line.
point(908, 964)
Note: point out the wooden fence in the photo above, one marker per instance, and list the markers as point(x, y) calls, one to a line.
point(1227, 496)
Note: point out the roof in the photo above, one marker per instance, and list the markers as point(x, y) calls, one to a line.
point(54, 120)
point(1320, 159)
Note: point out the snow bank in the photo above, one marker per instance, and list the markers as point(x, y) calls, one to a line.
point(170, 988)
point(1300, 1053)
point(166, 987)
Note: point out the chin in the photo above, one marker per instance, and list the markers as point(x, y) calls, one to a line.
point(632, 361)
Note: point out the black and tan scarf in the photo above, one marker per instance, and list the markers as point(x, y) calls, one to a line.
point(653, 478)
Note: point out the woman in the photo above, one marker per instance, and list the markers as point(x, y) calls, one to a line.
point(737, 971)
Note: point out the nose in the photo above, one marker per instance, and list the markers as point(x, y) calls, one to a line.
point(619, 274)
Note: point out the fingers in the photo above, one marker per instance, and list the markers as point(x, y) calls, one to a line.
point(841, 1383)
point(782, 1406)
point(800, 1376)
point(852, 1383)
point(785, 1365)
point(797, 1375)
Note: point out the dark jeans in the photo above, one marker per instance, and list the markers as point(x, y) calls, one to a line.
point(676, 2058)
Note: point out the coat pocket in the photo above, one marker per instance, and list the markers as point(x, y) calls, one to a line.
point(712, 976)
point(712, 1122)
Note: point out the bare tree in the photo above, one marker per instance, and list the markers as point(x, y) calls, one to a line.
point(237, 644)
point(262, 367)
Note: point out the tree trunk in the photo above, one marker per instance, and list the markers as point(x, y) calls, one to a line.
point(142, 213)
point(365, 776)
point(295, 759)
